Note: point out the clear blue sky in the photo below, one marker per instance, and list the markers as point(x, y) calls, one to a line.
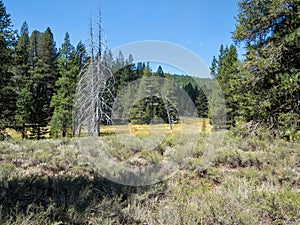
point(198, 25)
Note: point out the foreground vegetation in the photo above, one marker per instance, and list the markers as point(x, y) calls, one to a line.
point(253, 180)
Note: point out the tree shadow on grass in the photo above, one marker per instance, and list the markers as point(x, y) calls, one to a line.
point(64, 194)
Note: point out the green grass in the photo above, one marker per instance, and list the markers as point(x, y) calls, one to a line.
point(249, 181)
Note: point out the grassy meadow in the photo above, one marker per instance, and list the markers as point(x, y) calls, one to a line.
point(253, 180)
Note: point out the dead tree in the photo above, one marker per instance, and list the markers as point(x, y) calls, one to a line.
point(167, 108)
point(94, 93)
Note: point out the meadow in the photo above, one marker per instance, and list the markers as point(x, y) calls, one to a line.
point(249, 180)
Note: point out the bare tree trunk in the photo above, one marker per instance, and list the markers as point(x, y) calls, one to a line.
point(23, 131)
point(170, 119)
point(64, 129)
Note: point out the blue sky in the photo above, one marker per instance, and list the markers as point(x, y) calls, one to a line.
point(198, 25)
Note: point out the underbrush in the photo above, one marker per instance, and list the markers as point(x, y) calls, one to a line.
point(244, 181)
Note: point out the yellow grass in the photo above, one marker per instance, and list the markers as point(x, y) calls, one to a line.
point(13, 133)
point(18, 135)
point(187, 126)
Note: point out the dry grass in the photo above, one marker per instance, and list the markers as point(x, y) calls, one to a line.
point(13, 133)
point(187, 126)
point(250, 181)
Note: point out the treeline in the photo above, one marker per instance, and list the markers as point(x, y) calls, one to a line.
point(38, 82)
point(263, 90)
point(153, 97)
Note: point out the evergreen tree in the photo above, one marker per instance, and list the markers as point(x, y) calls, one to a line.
point(22, 55)
point(23, 80)
point(142, 100)
point(123, 70)
point(270, 89)
point(202, 104)
point(227, 74)
point(120, 61)
point(81, 55)
point(160, 72)
point(124, 75)
point(216, 106)
point(214, 67)
point(35, 39)
point(62, 101)
point(44, 69)
point(155, 100)
point(7, 92)
point(48, 58)
point(192, 91)
point(139, 69)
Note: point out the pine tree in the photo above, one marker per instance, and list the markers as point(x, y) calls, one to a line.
point(21, 68)
point(217, 106)
point(81, 55)
point(228, 77)
point(142, 99)
point(271, 74)
point(23, 80)
point(192, 91)
point(202, 104)
point(119, 69)
point(214, 67)
point(124, 72)
point(7, 92)
point(48, 57)
point(44, 76)
point(160, 72)
point(62, 101)
point(35, 39)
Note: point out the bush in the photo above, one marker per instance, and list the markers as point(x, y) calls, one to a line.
point(250, 181)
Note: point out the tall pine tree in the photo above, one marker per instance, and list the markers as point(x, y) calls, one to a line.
point(202, 103)
point(62, 101)
point(44, 76)
point(23, 81)
point(271, 70)
point(226, 72)
point(7, 92)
